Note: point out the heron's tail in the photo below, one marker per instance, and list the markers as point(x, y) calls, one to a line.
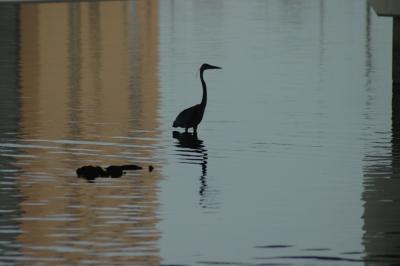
point(175, 124)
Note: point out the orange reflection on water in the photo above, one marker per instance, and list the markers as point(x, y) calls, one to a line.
point(90, 95)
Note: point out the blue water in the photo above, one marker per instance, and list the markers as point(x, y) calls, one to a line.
point(295, 161)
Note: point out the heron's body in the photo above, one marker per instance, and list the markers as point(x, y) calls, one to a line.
point(192, 116)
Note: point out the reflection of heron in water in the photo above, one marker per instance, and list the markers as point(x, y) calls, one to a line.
point(192, 116)
point(194, 152)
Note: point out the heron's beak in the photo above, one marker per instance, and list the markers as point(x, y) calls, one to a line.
point(215, 67)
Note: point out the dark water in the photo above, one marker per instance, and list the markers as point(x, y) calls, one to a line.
point(296, 161)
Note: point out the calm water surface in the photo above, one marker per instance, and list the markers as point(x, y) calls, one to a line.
point(296, 162)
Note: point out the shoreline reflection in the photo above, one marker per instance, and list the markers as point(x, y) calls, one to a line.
point(381, 198)
point(381, 177)
point(77, 92)
point(381, 191)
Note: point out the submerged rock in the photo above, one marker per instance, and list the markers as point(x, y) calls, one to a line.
point(131, 167)
point(90, 172)
point(114, 171)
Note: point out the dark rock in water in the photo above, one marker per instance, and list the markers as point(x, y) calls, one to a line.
point(114, 171)
point(90, 172)
point(151, 168)
point(131, 167)
point(117, 170)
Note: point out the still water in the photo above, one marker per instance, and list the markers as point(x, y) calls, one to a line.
point(296, 161)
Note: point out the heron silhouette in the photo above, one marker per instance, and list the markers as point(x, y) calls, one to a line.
point(192, 116)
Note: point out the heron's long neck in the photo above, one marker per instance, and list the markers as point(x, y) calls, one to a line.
point(204, 99)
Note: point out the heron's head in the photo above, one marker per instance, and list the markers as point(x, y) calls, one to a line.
point(207, 66)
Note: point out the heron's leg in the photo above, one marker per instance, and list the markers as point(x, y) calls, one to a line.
point(195, 129)
point(186, 129)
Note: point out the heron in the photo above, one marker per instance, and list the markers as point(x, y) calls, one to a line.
point(192, 116)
